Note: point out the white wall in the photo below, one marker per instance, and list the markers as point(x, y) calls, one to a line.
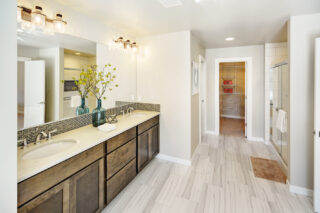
point(126, 74)
point(257, 54)
point(8, 121)
point(196, 51)
point(54, 88)
point(302, 33)
point(164, 78)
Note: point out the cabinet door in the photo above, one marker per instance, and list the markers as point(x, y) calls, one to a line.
point(153, 141)
point(87, 189)
point(55, 200)
point(143, 143)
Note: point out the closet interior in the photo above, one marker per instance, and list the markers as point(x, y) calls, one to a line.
point(232, 97)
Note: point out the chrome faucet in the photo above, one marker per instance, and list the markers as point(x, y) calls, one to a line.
point(123, 112)
point(24, 143)
point(44, 134)
point(50, 134)
point(130, 109)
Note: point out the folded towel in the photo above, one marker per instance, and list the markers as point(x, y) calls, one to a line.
point(282, 121)
point(107, 127)
point(75, 101)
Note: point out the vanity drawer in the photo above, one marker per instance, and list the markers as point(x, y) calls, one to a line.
point(148, 124)
point(43, 181)
point(120, 180)
point(121, 139)
point(120, 157)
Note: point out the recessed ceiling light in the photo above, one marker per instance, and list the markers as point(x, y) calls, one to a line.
point(229, 38)
point(77, 53)
point(197, 1)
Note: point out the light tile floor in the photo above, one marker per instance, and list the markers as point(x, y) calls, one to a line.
point(220, 180)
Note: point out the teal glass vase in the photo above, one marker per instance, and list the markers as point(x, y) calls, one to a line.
point(98, 115)
point(82, 109)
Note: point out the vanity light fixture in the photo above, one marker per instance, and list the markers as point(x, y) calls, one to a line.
point(77, 53)
point(59, 24)
point(38, 18)
point(30, 20)
point(229, 38)
point(121, 43)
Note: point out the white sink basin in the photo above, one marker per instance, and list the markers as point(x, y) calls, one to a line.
point(49, 148)
point(137, 115)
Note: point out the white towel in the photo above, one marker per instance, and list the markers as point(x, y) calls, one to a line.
point(75, 101)
point(107, 127)
point(282, 121)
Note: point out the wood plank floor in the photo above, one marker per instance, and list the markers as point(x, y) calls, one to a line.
point(220, 179)
point(231, 126)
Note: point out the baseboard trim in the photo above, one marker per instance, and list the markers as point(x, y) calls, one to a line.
point(211, 133)
point(301, 190)
point(173, 159)
point(255, 139)
point(232, 116)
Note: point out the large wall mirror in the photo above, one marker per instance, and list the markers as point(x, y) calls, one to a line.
point(47, 67)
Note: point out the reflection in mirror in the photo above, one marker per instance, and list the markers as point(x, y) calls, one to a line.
point(47, 68)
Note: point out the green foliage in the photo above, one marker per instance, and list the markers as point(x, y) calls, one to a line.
point(95, 81)
point(103, 80)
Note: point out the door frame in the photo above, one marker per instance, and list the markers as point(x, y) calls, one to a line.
point(248, 92)
point(316, 178)
point(202, 96)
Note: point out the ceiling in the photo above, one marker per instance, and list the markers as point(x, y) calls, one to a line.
point(249, 21)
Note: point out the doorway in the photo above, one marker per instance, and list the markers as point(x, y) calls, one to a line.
point(232, 98)
point(238, 117)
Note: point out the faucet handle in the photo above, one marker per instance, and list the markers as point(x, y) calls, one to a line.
point(22, 143)
point(50, 133)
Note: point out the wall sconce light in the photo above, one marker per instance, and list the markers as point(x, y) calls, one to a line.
point(30, 20)
point(59, 24)
point(125, 44)
point(38, 18)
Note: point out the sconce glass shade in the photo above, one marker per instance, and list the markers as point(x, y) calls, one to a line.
point(19, 15)
point(59, 24)
point(49, 29)
point(26, 25)
point(37, 18)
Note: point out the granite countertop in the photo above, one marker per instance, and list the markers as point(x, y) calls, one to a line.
point(87, 137)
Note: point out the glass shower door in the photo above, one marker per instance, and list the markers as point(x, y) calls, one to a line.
point(279, 99)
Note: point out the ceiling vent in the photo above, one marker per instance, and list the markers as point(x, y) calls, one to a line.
point(170, 3)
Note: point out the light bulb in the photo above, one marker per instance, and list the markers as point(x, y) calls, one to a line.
point(37, 18)
point(59, 24)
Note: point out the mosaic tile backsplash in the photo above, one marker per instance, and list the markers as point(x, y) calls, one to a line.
point(74, 123)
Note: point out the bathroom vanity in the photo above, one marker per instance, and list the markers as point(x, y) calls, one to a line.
point(88, 175)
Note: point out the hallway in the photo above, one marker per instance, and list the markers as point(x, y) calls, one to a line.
point(220, 180)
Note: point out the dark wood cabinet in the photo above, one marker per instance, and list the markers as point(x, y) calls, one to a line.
point(75, 185)
point(90, 180)
point(148, 142)
point(55, 200)
point(87, 189)
point(143, 150)
point(153, 141)
point(120, 180)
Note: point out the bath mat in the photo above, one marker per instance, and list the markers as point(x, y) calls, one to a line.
point(268, 169)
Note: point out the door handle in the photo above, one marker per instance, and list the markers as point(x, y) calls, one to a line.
point(42, 102)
